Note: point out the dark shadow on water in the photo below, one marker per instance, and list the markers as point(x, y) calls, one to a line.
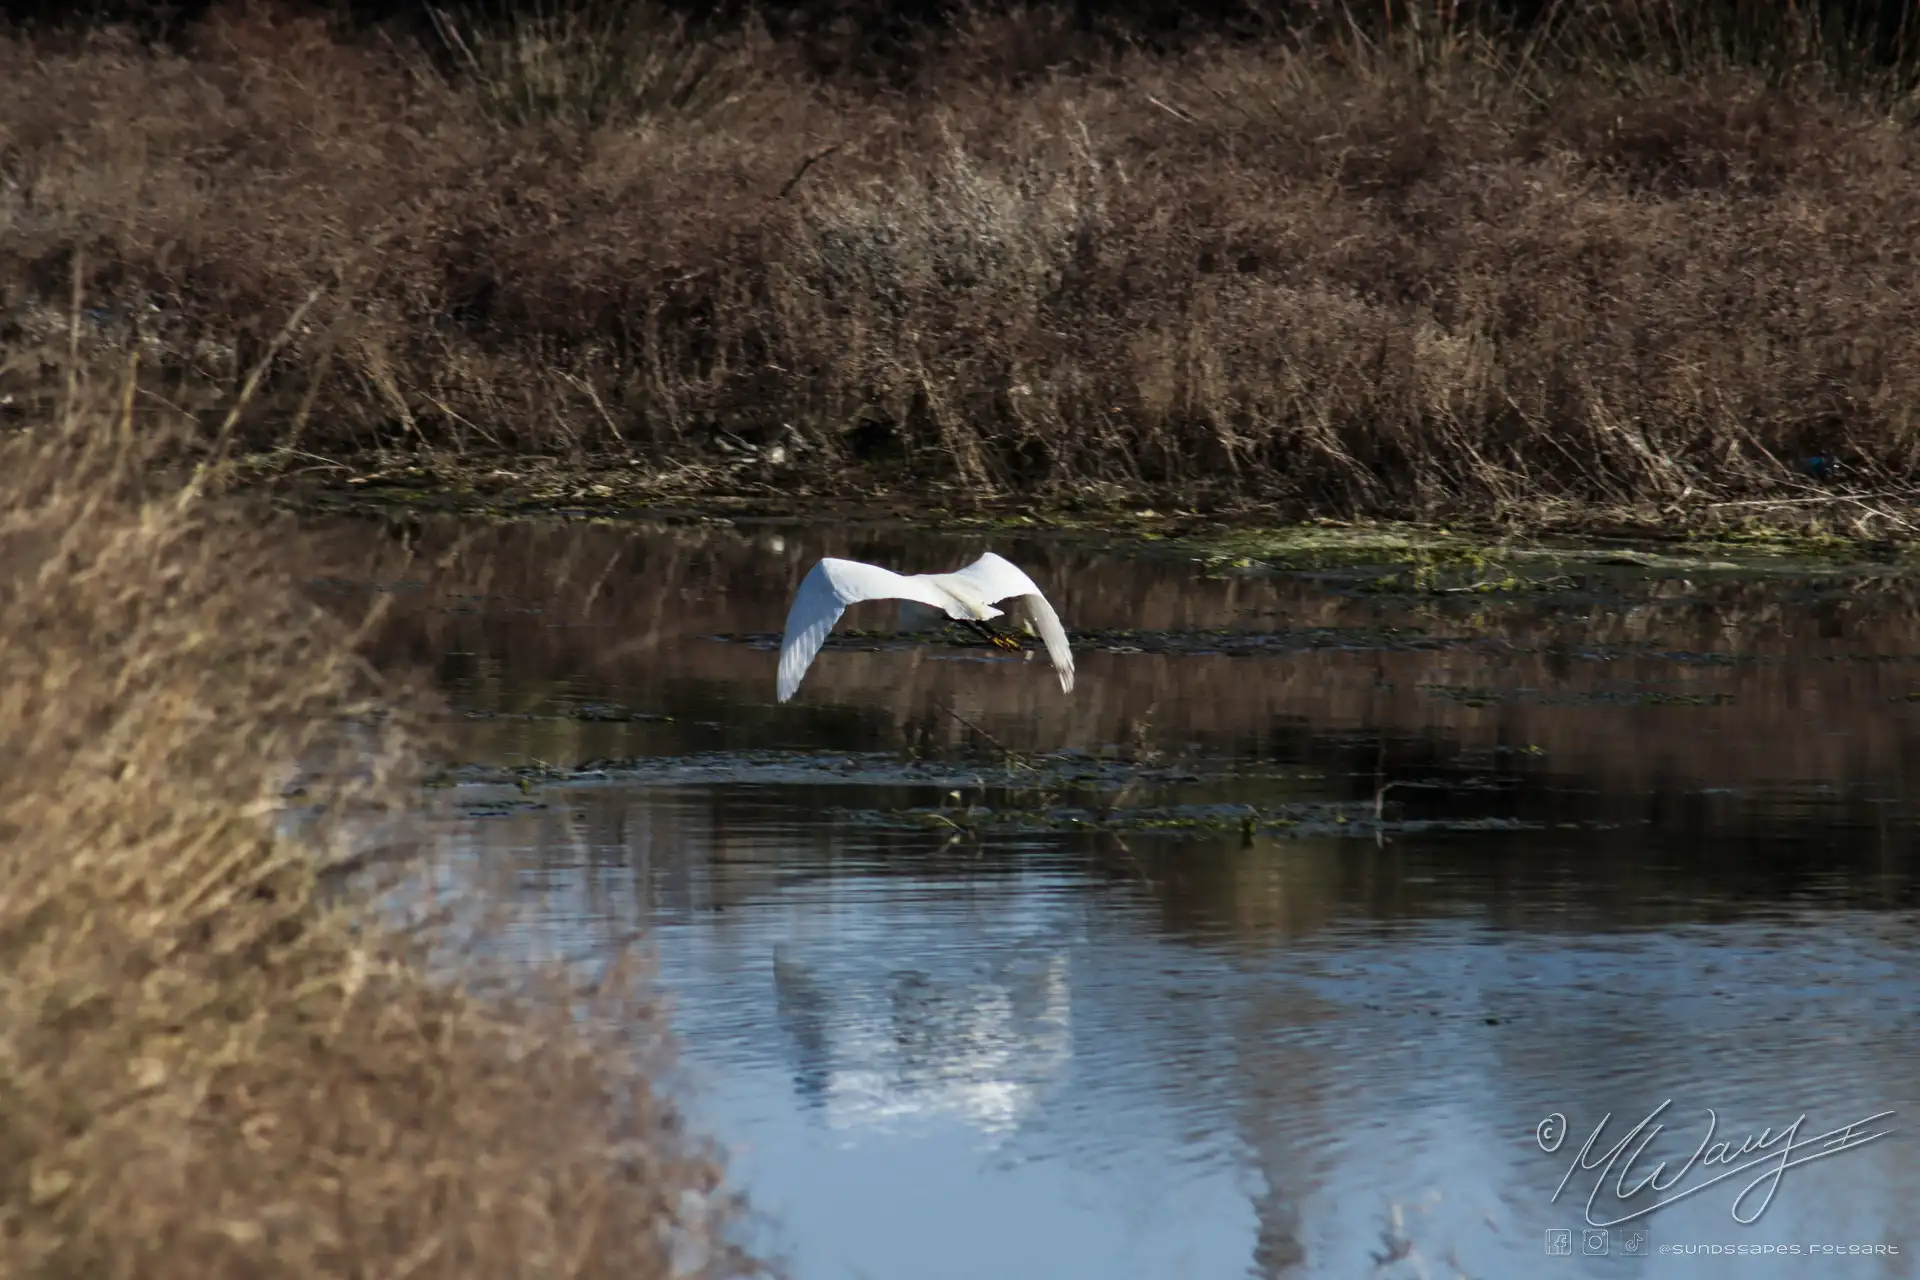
point(1265, 951)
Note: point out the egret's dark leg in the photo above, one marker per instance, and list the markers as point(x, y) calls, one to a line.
point(998, 639)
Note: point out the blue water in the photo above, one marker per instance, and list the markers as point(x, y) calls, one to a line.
point(933, 1052)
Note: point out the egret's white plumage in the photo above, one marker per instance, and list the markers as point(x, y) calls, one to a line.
point(966, 594)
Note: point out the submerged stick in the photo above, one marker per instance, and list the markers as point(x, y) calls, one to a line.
point(1000, 746)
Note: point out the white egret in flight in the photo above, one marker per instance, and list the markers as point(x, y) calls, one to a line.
point(966, 595)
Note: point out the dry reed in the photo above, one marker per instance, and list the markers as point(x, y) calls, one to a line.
point(208, 1067)
point(1439, 267)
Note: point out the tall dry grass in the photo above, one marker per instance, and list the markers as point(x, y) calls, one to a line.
point(208, 1067)
point(1431, 265)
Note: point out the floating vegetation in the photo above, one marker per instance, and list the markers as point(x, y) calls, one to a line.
point(1294, 820)
point(1223, 641)
point(590, 713)
point(1066, 770)
point(1437, 558)
point(1466, 695)
point(608, 713)
point(500, 808)
point(1272, 643)
point(1481, 696)
point(1066, 792)
point(1659, 698)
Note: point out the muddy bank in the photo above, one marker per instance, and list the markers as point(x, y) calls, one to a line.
point(1836, 529)
point(1839, 527)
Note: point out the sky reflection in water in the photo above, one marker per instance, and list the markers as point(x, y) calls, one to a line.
point(963, 1045)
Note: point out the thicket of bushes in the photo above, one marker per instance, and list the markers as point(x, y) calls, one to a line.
point(1420, 259)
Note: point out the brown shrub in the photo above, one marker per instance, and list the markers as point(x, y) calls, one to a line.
point(1440, 274)
point(207, 1068)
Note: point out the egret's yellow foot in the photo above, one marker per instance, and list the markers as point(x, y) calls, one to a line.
point(1005, 642)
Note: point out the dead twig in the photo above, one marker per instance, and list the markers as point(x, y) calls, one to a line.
point(787, 187)
point(1012, 756)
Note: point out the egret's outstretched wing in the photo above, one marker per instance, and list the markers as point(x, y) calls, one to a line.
point(996, 579)
point(824, 595)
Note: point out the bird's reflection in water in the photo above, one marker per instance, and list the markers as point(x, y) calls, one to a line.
point(984, 1046)
point(803, 1009)
point(915, 1015)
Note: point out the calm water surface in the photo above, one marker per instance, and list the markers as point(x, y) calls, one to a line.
point(1314, 934)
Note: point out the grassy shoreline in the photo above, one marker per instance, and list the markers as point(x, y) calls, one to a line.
point(1442, 270)
point(1794, 531)
point(213, 1064)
